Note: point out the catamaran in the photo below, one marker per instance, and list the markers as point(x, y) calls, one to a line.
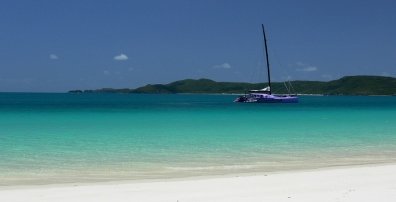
point(265, 95)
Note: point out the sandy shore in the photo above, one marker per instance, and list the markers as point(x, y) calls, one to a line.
point(363, 183)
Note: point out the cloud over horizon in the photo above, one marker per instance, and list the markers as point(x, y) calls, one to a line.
point(121, 57)
point(222, 66)
point(302, 67)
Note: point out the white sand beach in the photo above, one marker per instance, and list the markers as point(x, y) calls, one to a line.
point(362, 183)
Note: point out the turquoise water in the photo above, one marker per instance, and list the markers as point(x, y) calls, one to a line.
point(58, 138)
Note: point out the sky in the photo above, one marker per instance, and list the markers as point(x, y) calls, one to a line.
point(56, 46)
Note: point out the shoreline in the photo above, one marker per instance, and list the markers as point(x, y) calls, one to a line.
point(171, 178)
point(378, 178)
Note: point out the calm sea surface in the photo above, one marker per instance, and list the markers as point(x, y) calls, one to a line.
point(60, 138)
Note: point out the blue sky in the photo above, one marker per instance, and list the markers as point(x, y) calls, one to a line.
point(55, 46)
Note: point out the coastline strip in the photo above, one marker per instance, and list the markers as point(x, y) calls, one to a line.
point(363, 183)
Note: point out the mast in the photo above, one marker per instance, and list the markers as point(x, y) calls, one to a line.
point(266, 56)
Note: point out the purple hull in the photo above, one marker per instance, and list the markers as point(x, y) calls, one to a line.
point(266, 98)
point(278, 99)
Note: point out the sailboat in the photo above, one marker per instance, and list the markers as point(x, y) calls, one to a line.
point(265, 95)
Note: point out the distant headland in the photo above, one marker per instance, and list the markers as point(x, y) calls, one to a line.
point(348, 85)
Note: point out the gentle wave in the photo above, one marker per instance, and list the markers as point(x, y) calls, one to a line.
point(205, 168)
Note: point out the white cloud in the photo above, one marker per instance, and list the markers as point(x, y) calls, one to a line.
point(222, 66)
point(385, 74)
point(53, 57)
point(121, 57)
point(302, 67)
point(308, 69)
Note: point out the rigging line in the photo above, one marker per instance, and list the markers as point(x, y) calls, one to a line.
point(255, 75)
point(260, 70)
point(288, 90)
point(277, 60)
point(291, 86)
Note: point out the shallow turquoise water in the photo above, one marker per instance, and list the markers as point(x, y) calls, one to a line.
point(56, 138)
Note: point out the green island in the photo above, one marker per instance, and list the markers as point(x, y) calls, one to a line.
point(348, 85)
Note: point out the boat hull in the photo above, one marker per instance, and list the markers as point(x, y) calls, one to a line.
point(290, 99)
point(266, 98)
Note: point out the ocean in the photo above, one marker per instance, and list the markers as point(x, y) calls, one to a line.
point(51, 138)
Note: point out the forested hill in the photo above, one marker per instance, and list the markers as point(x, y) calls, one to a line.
point(349, 85)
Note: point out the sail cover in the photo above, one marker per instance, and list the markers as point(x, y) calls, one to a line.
point(266, 89)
